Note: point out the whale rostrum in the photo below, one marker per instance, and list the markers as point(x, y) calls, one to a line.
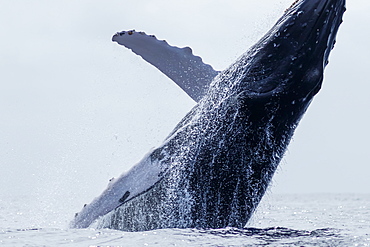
point(214, 167)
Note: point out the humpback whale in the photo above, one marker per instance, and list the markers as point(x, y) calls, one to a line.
point(214, 167)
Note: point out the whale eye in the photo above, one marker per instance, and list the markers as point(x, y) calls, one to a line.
point(313, 75)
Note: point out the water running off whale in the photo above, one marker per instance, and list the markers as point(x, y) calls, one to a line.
point(214, 167)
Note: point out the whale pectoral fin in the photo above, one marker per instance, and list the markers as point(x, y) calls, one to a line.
point(140, 179)
point(179, 64)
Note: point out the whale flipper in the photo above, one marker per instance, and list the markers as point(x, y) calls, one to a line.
point(142, 177)
point(179, 64)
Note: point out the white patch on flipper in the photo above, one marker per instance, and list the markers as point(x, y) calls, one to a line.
point(179, 64)
point(138, 180)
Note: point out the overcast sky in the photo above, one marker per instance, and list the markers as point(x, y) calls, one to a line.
point(77, 109)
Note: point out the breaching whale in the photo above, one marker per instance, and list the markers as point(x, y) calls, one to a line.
point(215, 166)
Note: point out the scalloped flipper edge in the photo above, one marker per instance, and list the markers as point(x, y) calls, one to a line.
point(188, 71)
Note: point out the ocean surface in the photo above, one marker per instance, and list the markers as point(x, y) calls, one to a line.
point(281, 220)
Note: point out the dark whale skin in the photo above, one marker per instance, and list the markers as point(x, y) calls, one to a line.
point(222, 155)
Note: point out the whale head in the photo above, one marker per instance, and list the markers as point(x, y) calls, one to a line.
point(291, 57)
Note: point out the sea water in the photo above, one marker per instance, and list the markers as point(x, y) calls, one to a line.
point(281, 220)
